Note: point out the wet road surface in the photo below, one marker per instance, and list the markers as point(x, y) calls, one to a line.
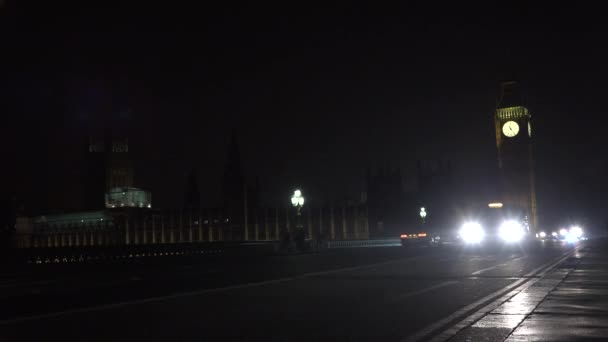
point(368, 293)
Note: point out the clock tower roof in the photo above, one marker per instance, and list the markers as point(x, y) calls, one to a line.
point(510, 95)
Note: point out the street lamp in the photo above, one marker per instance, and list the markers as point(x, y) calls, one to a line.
point(422, 213)
point(297, 200)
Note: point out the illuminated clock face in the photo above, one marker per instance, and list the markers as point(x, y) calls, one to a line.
point(510, 129)
point(529, 129)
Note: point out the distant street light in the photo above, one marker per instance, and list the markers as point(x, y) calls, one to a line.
point(297, 200)
point(423, 214)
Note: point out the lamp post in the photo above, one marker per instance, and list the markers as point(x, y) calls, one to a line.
point(423, 214)
point(297, 200)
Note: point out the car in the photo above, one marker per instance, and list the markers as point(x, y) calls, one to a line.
point(547, 237)
point(494, 225)
point(420, 238)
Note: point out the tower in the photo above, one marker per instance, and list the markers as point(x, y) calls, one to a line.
point(515, 154)
point(119, 171)
point(234, 193)
point(108, 167)
point(192, 197)
point(385, 200)
point(107, 156)
point(233, 184)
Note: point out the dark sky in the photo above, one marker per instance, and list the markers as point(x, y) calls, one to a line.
point(315, 94)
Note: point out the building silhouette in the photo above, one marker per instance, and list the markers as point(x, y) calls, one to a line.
point(385, 200)
point(239, 197)
point(109, 173)
point(192, 195)
point(436, 191)
point(393, 208)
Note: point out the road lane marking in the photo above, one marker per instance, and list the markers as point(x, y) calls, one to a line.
point(487, 269)
point(419, 292)
point(423, 334)
point(496, 266)
point(546, 269)
point(198, 292)
point(482, 258)
point(477, 315)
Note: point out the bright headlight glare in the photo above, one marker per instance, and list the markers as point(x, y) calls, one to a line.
point(542, 234)
point(576, 231)
point(563, 232)
point(511, 231)
point(472, 232)
point(571, 237)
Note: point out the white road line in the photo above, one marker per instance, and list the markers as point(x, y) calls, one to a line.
point(425, 290)
point(496, 266)
point(435, 326)
point(422, 334)
point(196, 293)
point(487, 269)
point(544, 269)
point(476, 316)
point(315, 274)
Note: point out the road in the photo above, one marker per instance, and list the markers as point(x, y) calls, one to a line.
point(369, 293)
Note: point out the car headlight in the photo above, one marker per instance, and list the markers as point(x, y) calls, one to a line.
point(511, 231)
point(472, 232)
point(571, 237)
point(542, 235)
point(576, 231)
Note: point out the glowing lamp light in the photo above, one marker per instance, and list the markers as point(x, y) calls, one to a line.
point(571, 237)
point(297, 199)
point(576, 231)
point(554, 234)
point(496, 205)
point(472, 232)
point(542, 234)
point(563, 232)
point(511, 231)
point(422, 212)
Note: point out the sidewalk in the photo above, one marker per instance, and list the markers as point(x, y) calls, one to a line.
point(569, 303)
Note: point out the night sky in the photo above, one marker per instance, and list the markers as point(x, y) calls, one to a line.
point(314, 94)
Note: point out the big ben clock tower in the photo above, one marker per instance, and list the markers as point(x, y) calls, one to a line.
point(515, 153)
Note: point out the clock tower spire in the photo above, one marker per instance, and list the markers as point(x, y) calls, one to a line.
point(513, 124)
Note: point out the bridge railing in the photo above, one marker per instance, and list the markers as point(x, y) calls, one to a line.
point(122, 253)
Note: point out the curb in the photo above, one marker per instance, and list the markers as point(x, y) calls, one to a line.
point(448, 327)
